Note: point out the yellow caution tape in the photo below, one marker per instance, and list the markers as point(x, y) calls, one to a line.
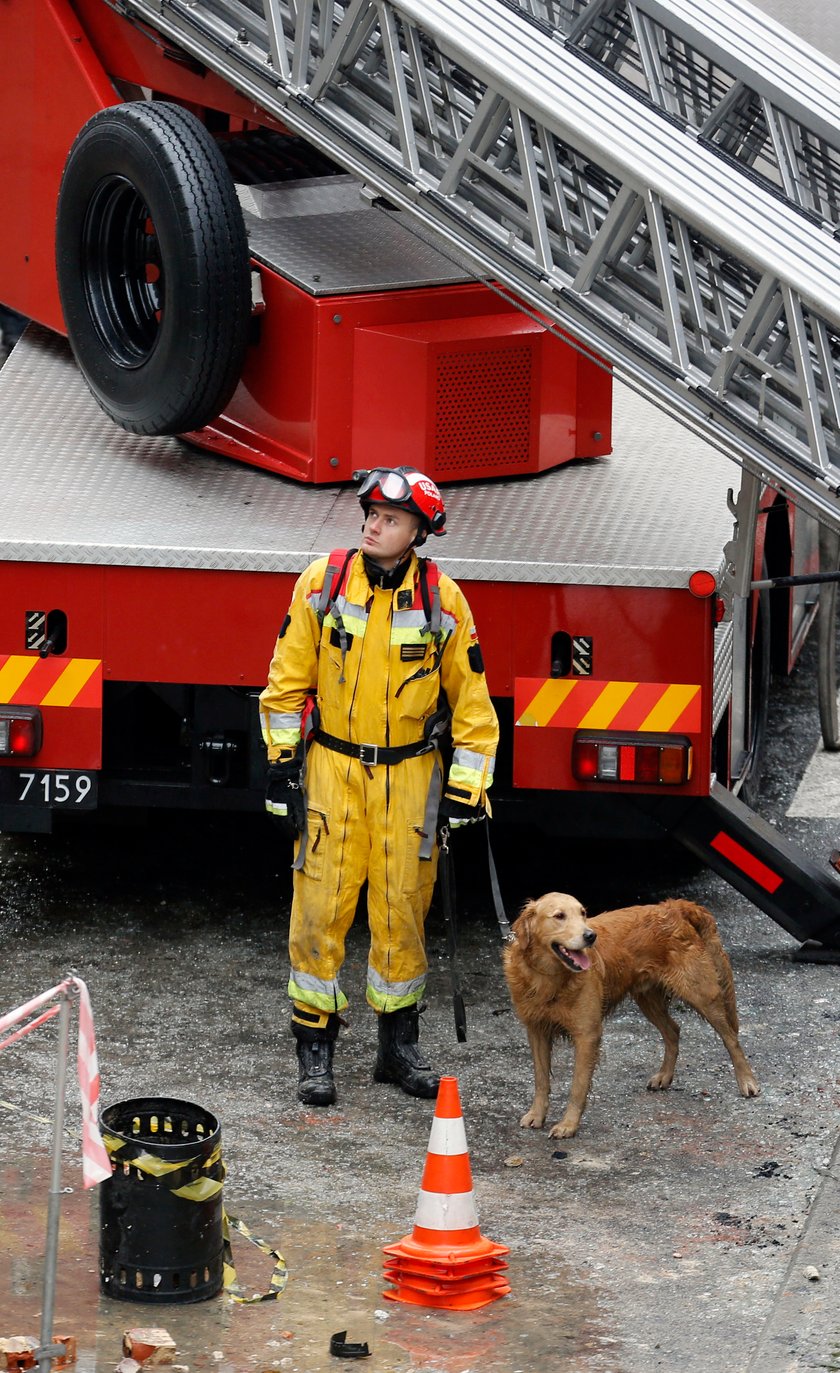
point(279, 1277)
point(203, 1188)
point(196, 1189)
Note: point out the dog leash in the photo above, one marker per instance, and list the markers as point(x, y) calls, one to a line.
point(508, 936)
point(447, 891)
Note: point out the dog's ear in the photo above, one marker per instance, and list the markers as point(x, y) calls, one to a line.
point(521, 926)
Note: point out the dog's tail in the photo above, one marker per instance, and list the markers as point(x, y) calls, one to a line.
point(706, 926)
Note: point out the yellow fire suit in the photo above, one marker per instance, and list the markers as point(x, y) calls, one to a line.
point(377, 670)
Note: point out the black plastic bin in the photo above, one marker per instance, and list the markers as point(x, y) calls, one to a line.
point(156, 1245)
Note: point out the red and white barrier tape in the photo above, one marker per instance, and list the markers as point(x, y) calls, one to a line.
point(96, 1166)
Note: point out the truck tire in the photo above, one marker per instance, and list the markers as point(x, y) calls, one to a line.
point(153, 267)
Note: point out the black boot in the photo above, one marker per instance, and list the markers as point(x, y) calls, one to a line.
point(398, 1059)
point(316, 1086)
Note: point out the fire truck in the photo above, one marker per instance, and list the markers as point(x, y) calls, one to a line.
point(576, 259)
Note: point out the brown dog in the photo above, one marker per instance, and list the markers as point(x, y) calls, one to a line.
point(563, 983)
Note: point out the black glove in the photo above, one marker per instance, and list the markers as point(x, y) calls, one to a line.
point(284, 795)
point(454, 814)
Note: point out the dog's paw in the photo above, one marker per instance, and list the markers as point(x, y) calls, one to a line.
point(660, 1082)
point(563, 1129)
point(748, 1087)
point(533, 1120)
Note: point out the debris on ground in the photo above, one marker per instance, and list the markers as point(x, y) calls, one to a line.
point(68, 1357)
point(342, 1348)
point(18, 1351)
point(151, 1347)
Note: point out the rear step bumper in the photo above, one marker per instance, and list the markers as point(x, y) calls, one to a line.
point(761, 864)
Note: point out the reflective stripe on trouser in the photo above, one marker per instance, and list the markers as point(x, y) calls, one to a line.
point(362, 827)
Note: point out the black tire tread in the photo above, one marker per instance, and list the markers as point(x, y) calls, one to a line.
point(213, 279)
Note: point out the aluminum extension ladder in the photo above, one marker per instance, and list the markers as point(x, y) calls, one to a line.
point(659, 181)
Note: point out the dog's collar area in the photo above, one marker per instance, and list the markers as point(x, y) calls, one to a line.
point(575, 959)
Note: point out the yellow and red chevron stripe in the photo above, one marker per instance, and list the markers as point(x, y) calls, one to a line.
point(29, 681)
point(582, 703)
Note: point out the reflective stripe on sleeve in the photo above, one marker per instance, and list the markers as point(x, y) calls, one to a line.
point(470, 776)
point(480, 763)
point(281, 729)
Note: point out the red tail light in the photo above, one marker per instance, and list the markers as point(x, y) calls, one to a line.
point(643, 759)
point(20, 731)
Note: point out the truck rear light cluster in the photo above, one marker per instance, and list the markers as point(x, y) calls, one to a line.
point(20, 731)
point(642, 758)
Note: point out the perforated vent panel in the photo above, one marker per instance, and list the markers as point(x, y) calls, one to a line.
point(483, 412)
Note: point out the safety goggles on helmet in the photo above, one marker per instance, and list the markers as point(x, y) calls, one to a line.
point(393, 486)
point(407, 489)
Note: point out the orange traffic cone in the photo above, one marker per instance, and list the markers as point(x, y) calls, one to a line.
point(446, 1261)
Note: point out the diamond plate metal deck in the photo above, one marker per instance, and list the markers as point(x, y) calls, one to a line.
point(77, 489)
point(340, 250)
point(317, 195)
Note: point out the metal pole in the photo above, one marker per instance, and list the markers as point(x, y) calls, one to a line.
point(740, 553)
point(47, 1351)
point(827, 641)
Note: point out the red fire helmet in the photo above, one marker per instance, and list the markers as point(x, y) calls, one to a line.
point(408, 489)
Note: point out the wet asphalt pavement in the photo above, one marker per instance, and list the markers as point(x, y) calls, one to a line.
point(673, 1233)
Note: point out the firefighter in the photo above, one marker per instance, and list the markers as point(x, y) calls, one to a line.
point(385, 645)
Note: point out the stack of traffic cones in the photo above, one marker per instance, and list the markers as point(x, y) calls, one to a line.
point(446, 1261)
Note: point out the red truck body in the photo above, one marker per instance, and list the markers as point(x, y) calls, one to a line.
point(136, 627)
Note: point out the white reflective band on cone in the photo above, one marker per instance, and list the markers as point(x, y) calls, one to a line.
point(448, 1135)
point(442, 1211)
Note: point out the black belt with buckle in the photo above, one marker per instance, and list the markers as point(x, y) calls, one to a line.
point(373, 754)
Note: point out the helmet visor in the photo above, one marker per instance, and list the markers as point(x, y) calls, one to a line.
point(393, 486)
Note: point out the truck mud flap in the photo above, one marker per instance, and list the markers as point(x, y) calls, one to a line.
point(760, 863)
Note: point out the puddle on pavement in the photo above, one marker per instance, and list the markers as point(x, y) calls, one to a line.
point(335, 1283)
